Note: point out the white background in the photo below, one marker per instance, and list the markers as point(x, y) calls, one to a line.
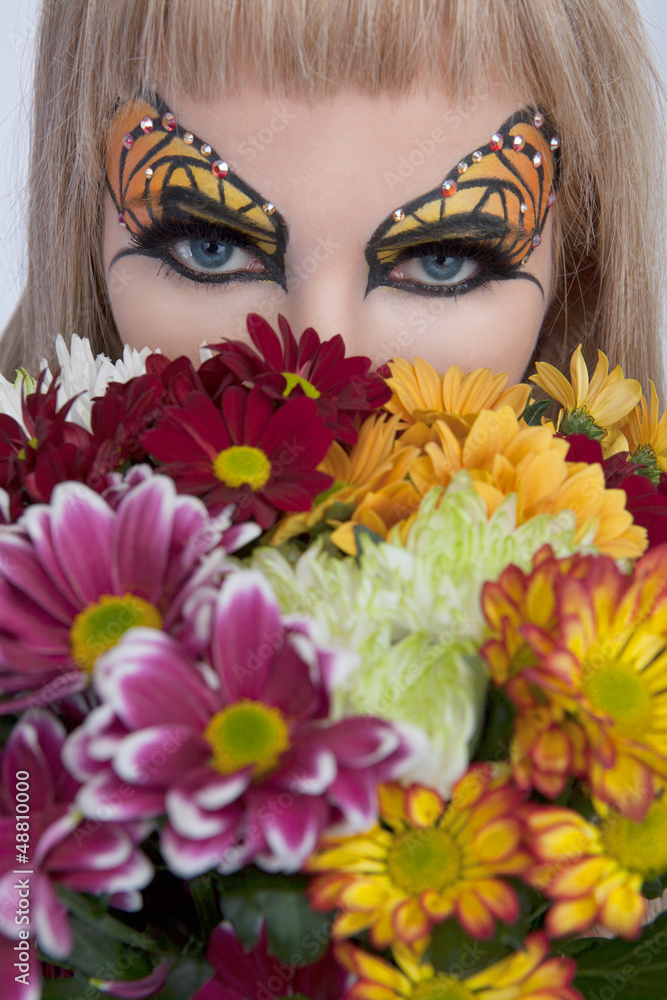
point(17, 33)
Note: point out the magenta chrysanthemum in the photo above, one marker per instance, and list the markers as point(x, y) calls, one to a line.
point(246, 452)
point(79, 572)
point(60, 848)
point(236, 747)
point(240, 974)
point(342, 388)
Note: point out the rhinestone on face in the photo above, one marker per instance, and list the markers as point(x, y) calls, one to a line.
point(463, 166)
point(537, 239)
point(168, 121)
point(477, 156)
point(537, 160)
point(551, 199)
point(268, 208)
point(524, 208)
point(555, 143)
point(147, 124)
point(497, 142)
point(538, 120)
point(219, 167)
point(122, 222)
point(189, 138)
point(518, 143)
point(149, 171)
point(206, 149)
point(448, 188)
point(128, 141)
point(398, 215)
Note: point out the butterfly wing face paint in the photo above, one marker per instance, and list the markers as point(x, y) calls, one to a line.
point(499, 195)
point(159, 172)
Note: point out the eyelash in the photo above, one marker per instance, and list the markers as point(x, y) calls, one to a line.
point(158, 241)
point(494, 265)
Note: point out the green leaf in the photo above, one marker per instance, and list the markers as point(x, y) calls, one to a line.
point(70, 989)
point(97, 954)
point(535, 411)
point(452, 950)
point(184, 980)
point(497, 727)
point(93, 910)
point(623, 970)
point(297, 934)
point(653, 888)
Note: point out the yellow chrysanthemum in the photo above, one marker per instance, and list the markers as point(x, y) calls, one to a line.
point(646, 434)
point(595, 873)
point(525, 975)
point(503, 457)
point(587, 645)
point(421, 395)
point(376, 460)
point(589, 407)
point(434, 861)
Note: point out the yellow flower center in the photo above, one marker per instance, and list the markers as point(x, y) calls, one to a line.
point(291, 382)
point(424, 859)
point(246, 734)
point(640, 847)
point(618, 691)
point(99, 626)
point(242, 464)
point(441, 987)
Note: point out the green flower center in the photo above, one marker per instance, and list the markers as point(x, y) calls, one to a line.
point(242, 464)
point(441, 987)
point(618, 691)
point(247, 734)
point(581, 422)
point(640, 847)
point(99, 626)
point(292, 380)
point(646, 457)
point(424, 859)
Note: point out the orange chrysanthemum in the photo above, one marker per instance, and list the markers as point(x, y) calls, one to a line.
point(526, 975)
point(586, 646)
point(503, 457)
point(434, 861)
point(376, 461)
point(595, 873)
point(590, 407)
point(421, 395)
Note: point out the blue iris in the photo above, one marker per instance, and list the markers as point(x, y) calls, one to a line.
point(210, 253)
point(440, 267)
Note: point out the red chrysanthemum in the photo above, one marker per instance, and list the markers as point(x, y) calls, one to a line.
point(248, 453)
point(646, 500)
point(341, 387)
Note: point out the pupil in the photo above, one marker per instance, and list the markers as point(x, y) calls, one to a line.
point(442, 267)
point(211, 253)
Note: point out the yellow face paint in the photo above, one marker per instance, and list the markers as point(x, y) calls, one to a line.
point(160, 174)
point(495, 201)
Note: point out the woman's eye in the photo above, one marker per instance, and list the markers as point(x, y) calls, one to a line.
point(211, 256)
point(436, 269)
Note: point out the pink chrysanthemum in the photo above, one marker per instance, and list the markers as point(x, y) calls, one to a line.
point(78, 573)
point(237, 750)
point(61, 848)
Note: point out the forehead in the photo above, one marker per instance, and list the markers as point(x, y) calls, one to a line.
point(343, 162)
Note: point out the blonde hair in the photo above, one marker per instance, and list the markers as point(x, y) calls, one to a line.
point(583, 62)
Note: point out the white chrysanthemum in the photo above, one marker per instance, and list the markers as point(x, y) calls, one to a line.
point(413, 614)
point(80, 375)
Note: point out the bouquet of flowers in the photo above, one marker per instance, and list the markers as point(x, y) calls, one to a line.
point(330, 683)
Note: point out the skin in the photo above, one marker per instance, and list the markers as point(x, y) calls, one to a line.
point(336, 169)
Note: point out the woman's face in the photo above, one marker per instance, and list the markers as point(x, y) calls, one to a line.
point(328, 181)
